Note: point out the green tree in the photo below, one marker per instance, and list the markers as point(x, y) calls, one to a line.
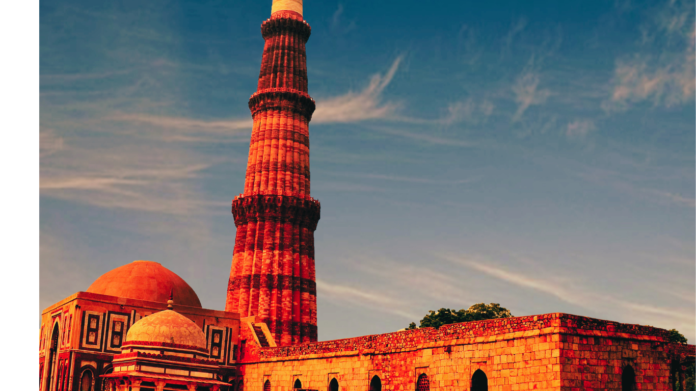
point(676, 337)
point(445, 316)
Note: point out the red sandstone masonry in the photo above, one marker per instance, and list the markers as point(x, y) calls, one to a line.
point(544, 352)
point(272, 273)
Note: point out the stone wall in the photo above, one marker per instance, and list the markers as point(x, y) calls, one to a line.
point(552, 351)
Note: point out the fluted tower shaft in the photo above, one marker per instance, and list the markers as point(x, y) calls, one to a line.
point(272, 274)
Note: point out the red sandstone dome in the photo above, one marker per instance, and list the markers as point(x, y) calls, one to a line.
point(145, 280)
point(166, 327)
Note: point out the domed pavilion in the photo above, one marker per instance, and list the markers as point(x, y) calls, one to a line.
point(164, 351)
point(119, 331)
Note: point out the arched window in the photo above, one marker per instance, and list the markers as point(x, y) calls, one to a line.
point(297, 385)
point(86, 381)
point(479, 382)
point(375, 383)
point(628, 379)
point(267, 385)
point(333, 385)
point(104, 383)
point(423, 383)
point(53, 350)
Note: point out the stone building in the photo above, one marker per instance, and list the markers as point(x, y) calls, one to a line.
point(122, 334)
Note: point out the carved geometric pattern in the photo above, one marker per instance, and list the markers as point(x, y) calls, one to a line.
point(423, 383)
point(91, 330)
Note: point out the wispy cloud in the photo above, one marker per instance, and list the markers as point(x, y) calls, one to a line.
point(134, 176)
point(515, 29)
point(397, 178)
point(364, 105)
point(188, 124)
point(579, 129)
point(672, 198)
point(361, 297)
point(49, 142)
point(425, 137)
point(527, 93)
point(620, 182)
point(402, 289)
point(552, 288)
point(570, 291)
point(665, 80)
point(337, 24)
point(468, 110)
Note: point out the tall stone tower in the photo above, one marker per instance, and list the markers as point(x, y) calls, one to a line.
point(272, 274)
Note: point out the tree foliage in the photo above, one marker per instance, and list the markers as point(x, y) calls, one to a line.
point(676, 337)
point(480, 311)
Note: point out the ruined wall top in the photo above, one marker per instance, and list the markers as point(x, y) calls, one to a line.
point(473, 332)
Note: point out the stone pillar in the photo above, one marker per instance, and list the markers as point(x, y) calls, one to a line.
point(272, 275)
point(682, 378)
point(159, 385)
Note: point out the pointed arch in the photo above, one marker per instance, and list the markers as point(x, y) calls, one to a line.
point(376, 383)
point(107, 370)
point(267, 385)
point(333, 385)
point(479, 381)
point(297, 385)
point(423, 383)
point(628, 379)
point(87, 380)
point(52, 355)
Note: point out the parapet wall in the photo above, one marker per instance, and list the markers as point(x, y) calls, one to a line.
point(555, 352)
point(472, 332)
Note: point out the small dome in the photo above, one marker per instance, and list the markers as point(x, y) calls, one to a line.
point(167, 327)
point(145, 280)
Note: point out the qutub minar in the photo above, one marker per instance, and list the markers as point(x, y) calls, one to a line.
point(272, 273)
point(140, 327)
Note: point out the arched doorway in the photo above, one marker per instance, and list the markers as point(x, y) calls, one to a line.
point(375, 383)
point(479, 381)
point(297, 385)
point(52, 352)
point(267, 385)
point(86, 380)
point(333, 385)
point(423, 383)
point(628, 379)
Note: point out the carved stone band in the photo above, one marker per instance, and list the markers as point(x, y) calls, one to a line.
point(279, 208)
point(280, 25)
point(282, 99)
point(273, 282)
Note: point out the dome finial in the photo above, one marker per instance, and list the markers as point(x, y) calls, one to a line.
point(170, 302)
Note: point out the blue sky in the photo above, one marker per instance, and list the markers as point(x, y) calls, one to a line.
point(538, 154)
